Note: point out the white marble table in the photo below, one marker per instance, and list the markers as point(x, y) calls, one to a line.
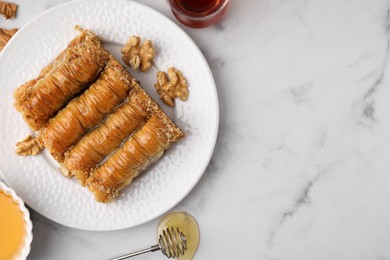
point(301, 169)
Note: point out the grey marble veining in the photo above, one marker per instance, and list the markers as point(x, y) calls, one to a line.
point(301, 166)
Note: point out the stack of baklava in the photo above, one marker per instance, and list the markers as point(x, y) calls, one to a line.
point(94, 118)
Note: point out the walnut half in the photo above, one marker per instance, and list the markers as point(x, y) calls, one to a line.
point(8, 10)
point(171, 85)
point(5, 36)
point(136, 55)
point(28, 146)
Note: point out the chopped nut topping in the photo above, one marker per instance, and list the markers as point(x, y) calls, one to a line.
point(5, 36)
point(28, 146)
point(136, 55)
point(65, 172)
point(8, 10)
point(171, 86)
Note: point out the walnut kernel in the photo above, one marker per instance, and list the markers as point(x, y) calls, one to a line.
point(5, 36)
point(171, 85)
point(28, 146)
point(136, 55)
point(8, 10)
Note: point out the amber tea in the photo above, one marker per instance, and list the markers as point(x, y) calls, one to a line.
point(198, 13)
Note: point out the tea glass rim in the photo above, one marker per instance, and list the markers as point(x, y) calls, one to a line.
point(195, 18)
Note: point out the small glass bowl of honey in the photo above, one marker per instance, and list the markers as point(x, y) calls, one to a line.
point(15, 226)
point(198, 13)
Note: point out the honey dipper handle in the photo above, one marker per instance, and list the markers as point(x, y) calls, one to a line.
point(147, 250)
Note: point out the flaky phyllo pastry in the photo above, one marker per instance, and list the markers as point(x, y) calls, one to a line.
point(94, 118)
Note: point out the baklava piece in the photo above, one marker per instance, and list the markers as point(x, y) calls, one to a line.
point(70, 74)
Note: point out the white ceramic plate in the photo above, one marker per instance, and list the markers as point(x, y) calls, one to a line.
point(37, 180)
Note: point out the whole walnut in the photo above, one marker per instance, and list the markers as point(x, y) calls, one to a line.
point(171, 85)
point(5, 36)
point(136, 55)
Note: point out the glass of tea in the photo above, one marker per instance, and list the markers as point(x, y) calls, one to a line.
point(198, 13)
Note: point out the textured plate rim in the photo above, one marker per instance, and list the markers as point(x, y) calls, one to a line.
point(216, 109)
